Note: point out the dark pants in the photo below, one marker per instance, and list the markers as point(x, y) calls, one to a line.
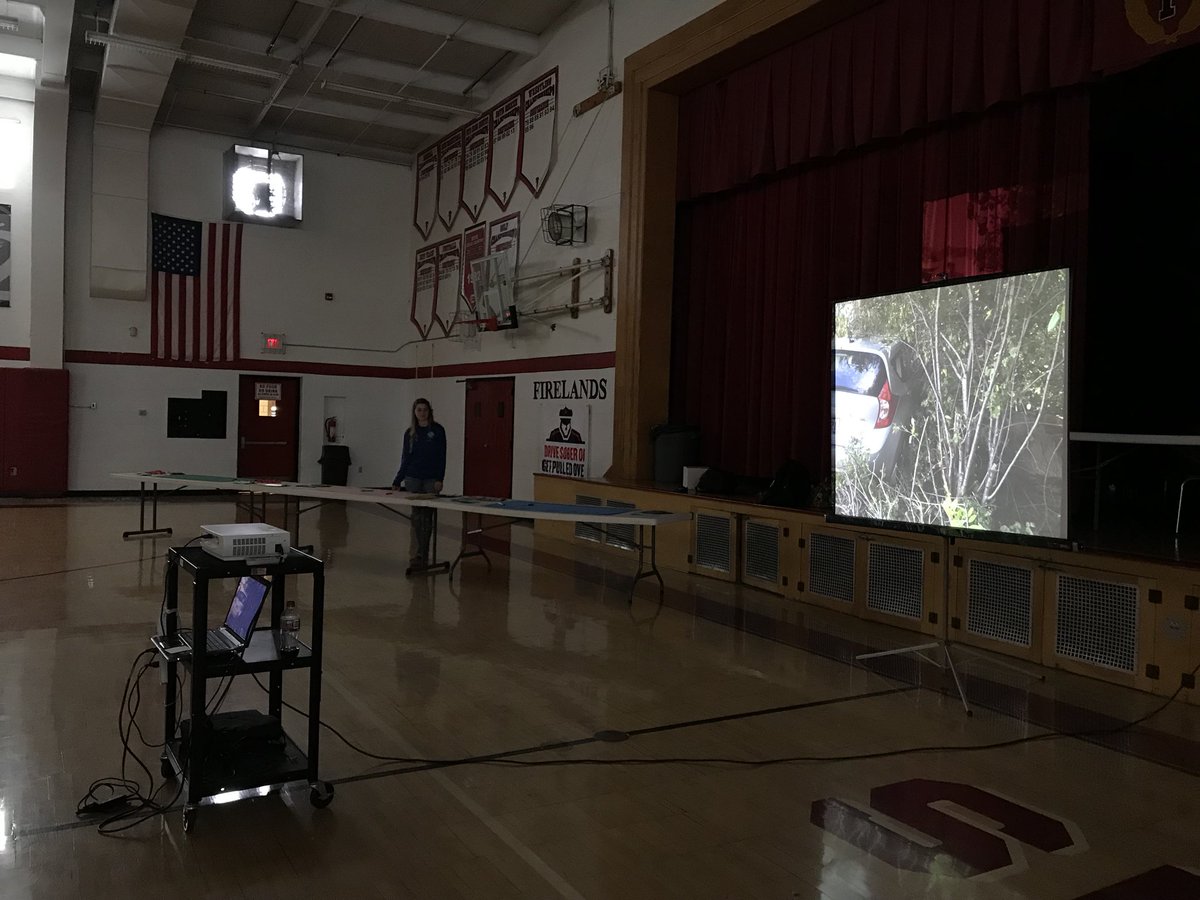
point(422, 518)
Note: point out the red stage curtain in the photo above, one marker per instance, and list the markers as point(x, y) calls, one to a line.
point(898, 66)
point(757, 268)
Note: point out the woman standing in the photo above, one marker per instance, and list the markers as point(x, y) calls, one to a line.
point(422, 469)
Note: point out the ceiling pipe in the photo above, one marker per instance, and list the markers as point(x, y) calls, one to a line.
point(203, 36)
point(296, 63)
point(154, 48)
point(430, 21)
point(462, 111)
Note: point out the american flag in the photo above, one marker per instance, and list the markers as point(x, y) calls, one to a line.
point(195, 289)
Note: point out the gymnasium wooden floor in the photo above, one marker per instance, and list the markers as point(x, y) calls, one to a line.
point(543, 650)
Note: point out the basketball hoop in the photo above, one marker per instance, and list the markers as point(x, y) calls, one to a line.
point(492, 278)
point(466, 332)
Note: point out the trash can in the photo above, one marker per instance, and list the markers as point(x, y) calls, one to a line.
point(335, 463)
point(675, 446)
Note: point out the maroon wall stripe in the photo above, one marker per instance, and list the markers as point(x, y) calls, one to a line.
point(14, 353)
point(518, 366)
point(481, 369)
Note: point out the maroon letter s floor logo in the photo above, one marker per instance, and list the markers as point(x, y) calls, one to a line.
point(962, 849)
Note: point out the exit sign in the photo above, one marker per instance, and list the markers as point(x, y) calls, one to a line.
point(273, 343)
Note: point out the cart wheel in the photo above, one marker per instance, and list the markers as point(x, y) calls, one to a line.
point(167, 770)
point(189, 818)
point(321, 794)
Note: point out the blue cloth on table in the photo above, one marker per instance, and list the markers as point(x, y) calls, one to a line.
point(568, 508)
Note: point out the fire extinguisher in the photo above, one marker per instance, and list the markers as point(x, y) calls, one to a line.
point(331, 430)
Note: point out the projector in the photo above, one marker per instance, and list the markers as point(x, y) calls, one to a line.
point(249, 542)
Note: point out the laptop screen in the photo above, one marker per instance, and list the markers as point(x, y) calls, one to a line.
point(247, 601)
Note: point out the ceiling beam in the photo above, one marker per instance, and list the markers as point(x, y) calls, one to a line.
point(191, 120)
point(138, 60)
point(56, 17)
point(210, 35)
point(230, 89)
point(431, 21)
point(298, 62)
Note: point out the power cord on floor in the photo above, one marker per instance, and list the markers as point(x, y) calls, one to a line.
point(341, 737)
point(505, 758)
point(123, 799)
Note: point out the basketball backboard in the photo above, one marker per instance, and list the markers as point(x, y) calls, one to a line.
point(492, 277)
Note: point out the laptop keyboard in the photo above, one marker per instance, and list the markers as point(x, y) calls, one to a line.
point(214, 644)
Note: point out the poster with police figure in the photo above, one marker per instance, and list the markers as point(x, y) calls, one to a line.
point(564, 451)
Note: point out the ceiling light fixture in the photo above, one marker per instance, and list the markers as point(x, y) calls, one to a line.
point(153, 48)
point(392, 98)
point(18, 66)
point(13, 152)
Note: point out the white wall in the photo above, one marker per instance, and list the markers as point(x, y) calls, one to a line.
point(532, 418)
point(350, 244)
point(586, 171)
point(15, 320)
point(357, 241)
point(116, 437)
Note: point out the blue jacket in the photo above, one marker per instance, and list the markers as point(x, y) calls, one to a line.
point(424, 455)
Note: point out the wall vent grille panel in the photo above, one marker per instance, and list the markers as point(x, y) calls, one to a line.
point(623, 536)
point(1097, 622)
point(762, 552)
point(1000, 602)
point(588, 531)
point(714, 539)
point(831, 566)
point(895, 580)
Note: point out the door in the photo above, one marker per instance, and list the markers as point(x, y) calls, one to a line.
point(488, 441)
point(268, 427)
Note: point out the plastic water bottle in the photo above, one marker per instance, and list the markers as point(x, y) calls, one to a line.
point(289, 629)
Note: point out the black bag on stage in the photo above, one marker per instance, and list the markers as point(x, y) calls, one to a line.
point(791, 488)
point(716, 481)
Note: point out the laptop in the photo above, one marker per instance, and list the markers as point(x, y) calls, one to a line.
point(234, 634)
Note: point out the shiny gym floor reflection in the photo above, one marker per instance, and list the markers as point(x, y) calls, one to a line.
point(544, 649)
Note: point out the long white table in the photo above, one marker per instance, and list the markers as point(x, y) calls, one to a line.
point(394, 501)
point(1102, 438)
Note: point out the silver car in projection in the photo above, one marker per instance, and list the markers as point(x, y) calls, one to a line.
point(875, 394)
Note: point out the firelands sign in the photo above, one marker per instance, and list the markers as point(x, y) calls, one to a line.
point(571, 389)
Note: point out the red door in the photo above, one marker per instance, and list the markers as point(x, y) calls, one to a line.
point(488, 441)
point(268, 427)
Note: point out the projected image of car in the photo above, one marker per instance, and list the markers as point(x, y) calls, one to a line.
point(873, 397)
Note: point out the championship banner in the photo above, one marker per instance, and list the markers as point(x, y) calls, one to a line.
point(504, 235)
point(506, 149)
point(450, 177)
point(564, 447)
point(474, 247)
point(477, 151)
point(425, 202)
point(449, 277)
point(5, 254)
point(1129, 32)
point(424, 290)
point(538, 129)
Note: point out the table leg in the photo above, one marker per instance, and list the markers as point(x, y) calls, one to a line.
point(142, 530)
